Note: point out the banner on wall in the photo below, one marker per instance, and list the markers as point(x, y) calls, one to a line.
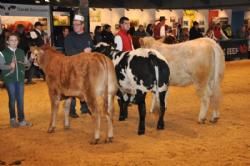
point(24, 14)
point(24, 10)
point(235, 49)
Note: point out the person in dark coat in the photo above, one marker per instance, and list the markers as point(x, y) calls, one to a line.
point(195, 31)
point(36, 39)
point(140, 32)
point(76, 42)
point(97, 34)
point(107, 35)
point(149, 29)
point(23, 40)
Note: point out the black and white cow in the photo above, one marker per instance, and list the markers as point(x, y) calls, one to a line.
point(138, 72)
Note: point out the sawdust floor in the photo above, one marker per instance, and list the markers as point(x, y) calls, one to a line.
point(183, 142)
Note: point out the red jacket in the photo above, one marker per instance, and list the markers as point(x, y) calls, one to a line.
point(217, 33)
point(126, 40)
point(157, 30)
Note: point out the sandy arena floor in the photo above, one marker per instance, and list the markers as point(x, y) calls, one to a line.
point(183, 142)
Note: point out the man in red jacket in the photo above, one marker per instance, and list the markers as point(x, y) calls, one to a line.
point(159, 29)
point(123, 39)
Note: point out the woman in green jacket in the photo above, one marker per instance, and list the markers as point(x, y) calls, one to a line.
point(12, 63)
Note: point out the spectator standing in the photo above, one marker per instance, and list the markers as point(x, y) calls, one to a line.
point(149, 30)
point(243, 33)
point(13, 61)
point(36, 39)
point(37, 35)
point(195, 31)
point(76, 42)
point(159, 29)
point(140, 32)
point(218, 32)
point(123, 39)
point(61, 37)
point(107, 35)
point(97, 34)
point(23, 40)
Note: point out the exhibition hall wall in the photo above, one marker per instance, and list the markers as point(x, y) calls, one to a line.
point(101, 16)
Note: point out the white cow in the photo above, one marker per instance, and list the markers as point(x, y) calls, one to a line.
point(200, 62)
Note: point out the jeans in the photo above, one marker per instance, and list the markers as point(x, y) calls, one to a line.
point(16, 92)
point(84, 107)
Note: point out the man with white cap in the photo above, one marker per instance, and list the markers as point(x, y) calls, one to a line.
point(76, 42)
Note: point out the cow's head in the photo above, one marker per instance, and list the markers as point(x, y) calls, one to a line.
point(37, 54)
point(146, 42)
point(104, 48)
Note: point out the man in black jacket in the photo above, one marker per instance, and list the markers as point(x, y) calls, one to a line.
point(76, 42)
point(195, 31)
point(36, 39)
point(37, 35)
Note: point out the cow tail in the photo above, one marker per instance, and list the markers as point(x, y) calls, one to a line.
point(106, 88)
point(157, 88)
point(156, 97)
point(219, 67)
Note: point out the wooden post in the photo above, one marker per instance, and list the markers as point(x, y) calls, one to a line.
point(84, 10)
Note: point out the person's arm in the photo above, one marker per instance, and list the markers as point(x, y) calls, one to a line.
point(118, 42)
point(3, 66)
point(90, 45)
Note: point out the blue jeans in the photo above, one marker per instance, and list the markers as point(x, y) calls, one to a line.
point(16, 92)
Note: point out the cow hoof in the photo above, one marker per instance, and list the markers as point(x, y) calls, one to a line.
point(122, 118)
point(214, 120)
point(141, 132)
point(160, 127)
point(109, 140)
point(94, 141)
point(66, 127)
point(202, 121)
point(51, 130)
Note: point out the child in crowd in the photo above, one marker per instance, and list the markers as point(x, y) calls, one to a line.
point(12, 63)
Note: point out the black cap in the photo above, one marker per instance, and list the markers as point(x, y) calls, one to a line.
point(195, 23)
point(38, 24)
point(162, 18)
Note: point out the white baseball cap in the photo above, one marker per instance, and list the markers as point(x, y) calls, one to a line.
point(79, 17)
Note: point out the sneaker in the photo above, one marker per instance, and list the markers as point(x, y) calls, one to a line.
point(13, 123)
point(25, 123)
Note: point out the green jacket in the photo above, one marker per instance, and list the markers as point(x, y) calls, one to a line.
point(16, 75)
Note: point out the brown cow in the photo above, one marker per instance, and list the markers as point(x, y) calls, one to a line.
point(85, 76)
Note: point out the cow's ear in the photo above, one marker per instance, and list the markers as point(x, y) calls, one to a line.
point(32, 48)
